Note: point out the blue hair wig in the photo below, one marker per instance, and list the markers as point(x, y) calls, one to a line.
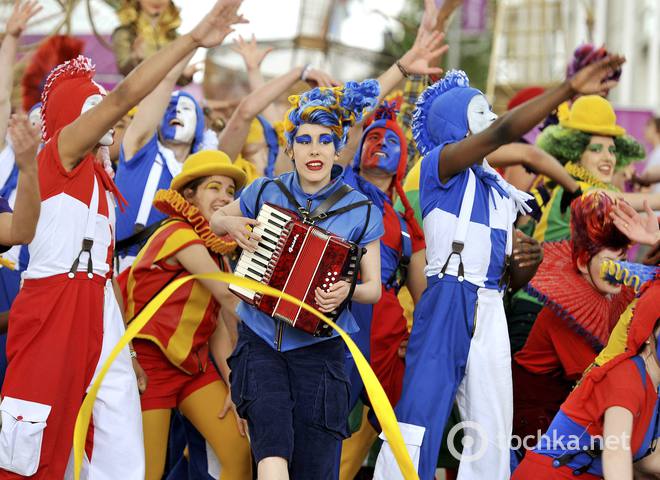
point(338, 108)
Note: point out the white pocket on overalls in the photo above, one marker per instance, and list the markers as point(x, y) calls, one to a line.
point(23, 425)
point(413, 436)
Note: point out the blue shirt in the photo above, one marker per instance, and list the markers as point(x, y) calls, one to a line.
point(389, 257)
point(491, 224)
point(4, 208)
point(131, 179)
point(348, 225)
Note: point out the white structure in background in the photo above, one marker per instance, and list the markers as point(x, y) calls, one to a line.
point(344, 37)
point(534, 39)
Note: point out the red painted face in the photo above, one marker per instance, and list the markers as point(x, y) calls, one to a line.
point(381, 149)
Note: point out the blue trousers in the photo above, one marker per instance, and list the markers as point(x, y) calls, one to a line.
point(295, 402)
point(459, 344)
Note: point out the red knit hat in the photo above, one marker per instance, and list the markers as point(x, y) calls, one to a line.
point(523, 95)
point(67, 87)
point(385, 117)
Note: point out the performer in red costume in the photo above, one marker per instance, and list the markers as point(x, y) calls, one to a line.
point(580, 311)
point(608, 426)
point(66, 319)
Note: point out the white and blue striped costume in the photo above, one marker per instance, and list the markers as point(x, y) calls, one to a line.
point(459, 344)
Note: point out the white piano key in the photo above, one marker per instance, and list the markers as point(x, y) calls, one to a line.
point(253, 268)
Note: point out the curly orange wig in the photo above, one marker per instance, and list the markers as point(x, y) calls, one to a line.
point(592, 228)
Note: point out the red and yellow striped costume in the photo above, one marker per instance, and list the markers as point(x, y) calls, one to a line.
point(183, 325)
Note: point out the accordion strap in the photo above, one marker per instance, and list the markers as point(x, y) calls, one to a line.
point(322, 211)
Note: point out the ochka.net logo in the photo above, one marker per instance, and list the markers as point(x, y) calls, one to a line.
point(476, 442)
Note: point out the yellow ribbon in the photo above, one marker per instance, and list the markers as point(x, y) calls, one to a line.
point(7, 263)
point(379, 400)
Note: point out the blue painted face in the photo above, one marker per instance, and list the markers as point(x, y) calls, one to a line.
point(180, 120)
point(381, 149)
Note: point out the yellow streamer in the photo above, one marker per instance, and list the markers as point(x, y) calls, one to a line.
point(379, 400)
point(7, 263)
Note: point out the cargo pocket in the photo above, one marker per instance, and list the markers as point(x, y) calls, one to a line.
point(331, 404)
point(243, 385)
point(23, 425)
point(413, 437)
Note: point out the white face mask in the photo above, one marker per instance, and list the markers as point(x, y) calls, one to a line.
point(186, 120)
point(91, 102)
point(479, 114)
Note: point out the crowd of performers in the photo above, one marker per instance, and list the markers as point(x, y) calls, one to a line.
point(490, 285)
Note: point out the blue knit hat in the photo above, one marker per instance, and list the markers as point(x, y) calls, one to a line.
point(441, 113)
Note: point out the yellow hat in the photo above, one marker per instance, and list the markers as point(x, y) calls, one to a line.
point(593, 114)
point(207, 163)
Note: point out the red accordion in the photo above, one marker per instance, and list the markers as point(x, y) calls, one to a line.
point(296, 258)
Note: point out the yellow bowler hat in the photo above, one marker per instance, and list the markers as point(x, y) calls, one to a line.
point(593, 114)
point(206, 163)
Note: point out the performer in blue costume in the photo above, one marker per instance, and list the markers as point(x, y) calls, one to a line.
point(468, 212)
point(300, 413)
point(377, 171)
point(150, 156)
point(378, 168)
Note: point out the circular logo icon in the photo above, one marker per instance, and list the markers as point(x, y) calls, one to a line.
point(475, 441)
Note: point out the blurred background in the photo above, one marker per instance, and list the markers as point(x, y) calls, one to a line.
point(503, 45)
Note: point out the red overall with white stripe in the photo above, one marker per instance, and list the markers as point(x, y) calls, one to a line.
point(64, 323)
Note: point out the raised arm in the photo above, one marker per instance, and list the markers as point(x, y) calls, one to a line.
point(150, 111)
point(456, 157)
point(20, 15)
point(81, 136)
point(235, 133)
point(534, 159)
point(252, 57)
point(426, 51)
point(19, 228)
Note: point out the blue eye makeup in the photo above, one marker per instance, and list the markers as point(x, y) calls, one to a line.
point(303, 139)
point(325, 138)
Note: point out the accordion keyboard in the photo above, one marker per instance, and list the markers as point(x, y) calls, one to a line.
point(256, 265)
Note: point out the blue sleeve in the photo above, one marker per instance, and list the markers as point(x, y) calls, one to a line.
point(4, 205)
point(431, 188)
point(148, 151)
point(4, 208)
point(375, 228)
point(248, 198)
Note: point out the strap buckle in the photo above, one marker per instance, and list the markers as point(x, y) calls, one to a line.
point(87, 244)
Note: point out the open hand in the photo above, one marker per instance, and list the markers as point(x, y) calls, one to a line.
point(217, 24)
point(592, 79)
point(318, 78)
point(21, 15)
point(644, 230)
point(250, 51)
point(25, 141)
point(426, 51)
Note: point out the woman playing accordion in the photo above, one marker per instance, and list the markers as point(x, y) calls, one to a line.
point(289, 385)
